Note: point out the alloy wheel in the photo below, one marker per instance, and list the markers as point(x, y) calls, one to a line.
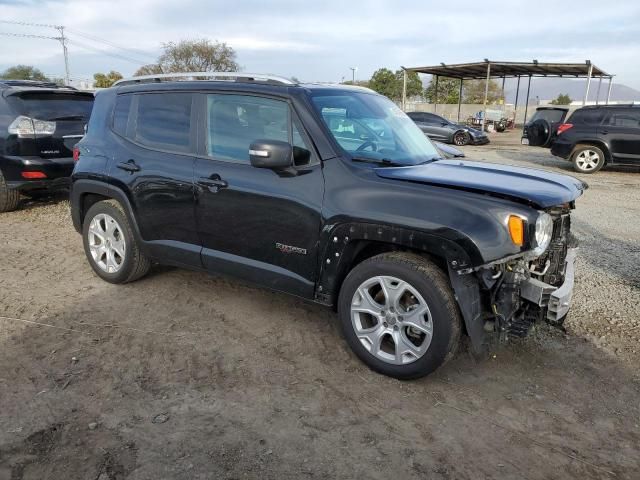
point(459, 139)
point(106, 243)
point(392, 320)
point(587, 160)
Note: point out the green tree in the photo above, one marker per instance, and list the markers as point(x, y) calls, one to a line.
point(473, 91)
point(23, 72)
point(448, 90)
point(562, 99)
point(384, 82)
point(102, 80)
point(390, 84)
point(193, 56)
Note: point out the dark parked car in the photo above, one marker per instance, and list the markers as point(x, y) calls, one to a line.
point(330, 193)
point(40, 122)
point(440, 129)
point(594, 136)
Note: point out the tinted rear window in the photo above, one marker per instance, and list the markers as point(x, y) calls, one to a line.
point(121, 114)
point(624, 118)
point(164, 120)
point(551, 116)
point(55, 106)
point(588, 117)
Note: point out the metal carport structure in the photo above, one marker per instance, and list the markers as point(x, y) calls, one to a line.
point(490, 69)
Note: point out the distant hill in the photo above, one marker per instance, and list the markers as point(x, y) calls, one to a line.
point(550, 88)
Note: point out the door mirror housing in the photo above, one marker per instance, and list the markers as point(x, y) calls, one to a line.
point(273, 154)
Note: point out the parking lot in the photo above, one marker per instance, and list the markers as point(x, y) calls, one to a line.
point(185, 376)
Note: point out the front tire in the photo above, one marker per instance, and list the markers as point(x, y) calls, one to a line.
point(110, 245)
point(9, 197)
point(587, 159)
point(461, 138)
point(399, 315)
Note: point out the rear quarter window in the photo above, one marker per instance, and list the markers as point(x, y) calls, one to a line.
point(121, 114)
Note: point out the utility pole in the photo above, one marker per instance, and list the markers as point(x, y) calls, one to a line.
point(353, 74)
point(63, 41)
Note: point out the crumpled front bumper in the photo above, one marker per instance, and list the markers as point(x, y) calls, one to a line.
point(560, 299)
point(557, 300)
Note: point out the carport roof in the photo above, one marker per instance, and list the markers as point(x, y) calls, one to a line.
point(478, 70)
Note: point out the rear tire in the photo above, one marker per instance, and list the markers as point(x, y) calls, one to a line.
point(110, 244)
point(399, 285)
point(587, 159)
point(9, 197)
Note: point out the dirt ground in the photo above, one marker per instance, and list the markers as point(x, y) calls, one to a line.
point(185, 376)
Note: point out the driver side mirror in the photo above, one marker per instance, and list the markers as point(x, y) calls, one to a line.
point(273, 154)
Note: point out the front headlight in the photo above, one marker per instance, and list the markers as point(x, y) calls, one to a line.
point(544, 232)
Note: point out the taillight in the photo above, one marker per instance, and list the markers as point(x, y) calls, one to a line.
point(76, 154)
point(33, 175)
point(25, 127)
point(564, 127)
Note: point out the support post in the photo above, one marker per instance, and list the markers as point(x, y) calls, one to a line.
point(609, 91)
point(526, 105)
point(586, 91)
point(486, 95)
point(459, 99)
point(504, 100)
point(404, 90)
point(598, 92)
point(515, 115)
point(435, 106)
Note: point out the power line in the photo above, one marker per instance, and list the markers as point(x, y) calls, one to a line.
point(28, 24)
point(106, 52)
point(28, 36)
point(110, 43)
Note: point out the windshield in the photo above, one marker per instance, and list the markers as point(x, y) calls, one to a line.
point(372, 127)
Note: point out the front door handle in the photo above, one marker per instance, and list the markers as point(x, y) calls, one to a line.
point(129, 166)
point(214, 183)
point(604, 132)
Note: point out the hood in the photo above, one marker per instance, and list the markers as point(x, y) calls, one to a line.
point(538, 187)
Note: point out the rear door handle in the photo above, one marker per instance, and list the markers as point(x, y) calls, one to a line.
point(128, 166)
point(214, 183)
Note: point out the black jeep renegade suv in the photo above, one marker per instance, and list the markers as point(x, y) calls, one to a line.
point(330, 193)
point(40, 122)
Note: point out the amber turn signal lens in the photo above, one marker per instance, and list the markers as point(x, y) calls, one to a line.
point(516, 230)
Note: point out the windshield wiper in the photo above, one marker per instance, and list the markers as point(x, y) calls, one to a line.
point(69, 117)
point(379, 161)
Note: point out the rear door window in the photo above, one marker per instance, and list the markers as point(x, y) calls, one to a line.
point(624, 118)
point(163, 121)
point(588, 116)
point(55, 106)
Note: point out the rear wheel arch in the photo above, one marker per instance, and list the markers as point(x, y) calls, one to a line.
point(595, 143)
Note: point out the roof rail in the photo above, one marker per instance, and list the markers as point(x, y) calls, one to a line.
point(223, 76)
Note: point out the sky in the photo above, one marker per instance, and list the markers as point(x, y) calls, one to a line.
point(320, 41)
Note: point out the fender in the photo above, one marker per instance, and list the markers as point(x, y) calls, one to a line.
point(342, 244)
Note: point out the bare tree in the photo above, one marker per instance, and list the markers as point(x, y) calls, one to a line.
point(193, 56)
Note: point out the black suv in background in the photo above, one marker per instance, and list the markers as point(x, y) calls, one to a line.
point(40, 122)
point(442, 130)
point(330, 193)
point(593, 137)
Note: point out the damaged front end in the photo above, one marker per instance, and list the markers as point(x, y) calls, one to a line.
point(513, 294)
point(525, 290)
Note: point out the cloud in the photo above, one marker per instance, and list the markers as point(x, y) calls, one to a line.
point(321, 40)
